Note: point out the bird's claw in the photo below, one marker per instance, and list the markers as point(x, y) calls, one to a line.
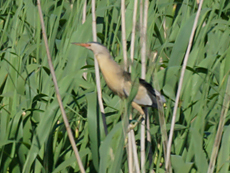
point(133, 123)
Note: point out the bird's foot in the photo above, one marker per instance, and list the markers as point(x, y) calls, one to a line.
point(133, 123)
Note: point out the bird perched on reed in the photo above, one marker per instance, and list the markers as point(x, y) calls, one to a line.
point(119, 81)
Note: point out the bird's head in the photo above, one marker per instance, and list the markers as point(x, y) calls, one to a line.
point(96, 47)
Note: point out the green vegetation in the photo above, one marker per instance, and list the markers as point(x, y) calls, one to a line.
point(32, 134)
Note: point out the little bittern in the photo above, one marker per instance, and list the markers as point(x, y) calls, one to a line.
point(119, 81)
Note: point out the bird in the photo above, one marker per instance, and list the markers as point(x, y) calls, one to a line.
point(119, 81)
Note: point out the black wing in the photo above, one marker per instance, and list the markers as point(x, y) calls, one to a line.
point(151, 92)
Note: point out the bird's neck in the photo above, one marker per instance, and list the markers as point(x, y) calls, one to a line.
point(108, 65)
point(112, 73)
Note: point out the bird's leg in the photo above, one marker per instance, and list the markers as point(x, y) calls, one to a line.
point(139, 109)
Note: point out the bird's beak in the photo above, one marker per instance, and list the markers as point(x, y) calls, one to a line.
point(86, 45)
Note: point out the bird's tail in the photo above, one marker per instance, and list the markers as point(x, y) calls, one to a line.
point(160, 96)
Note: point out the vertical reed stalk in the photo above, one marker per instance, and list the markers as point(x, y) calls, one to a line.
point(180, 86)
point(83, 21)
point(143, 71)
point(124, 47)
point(97, 70)
point(68, 129)
point(133, 33)
point(219, 133)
